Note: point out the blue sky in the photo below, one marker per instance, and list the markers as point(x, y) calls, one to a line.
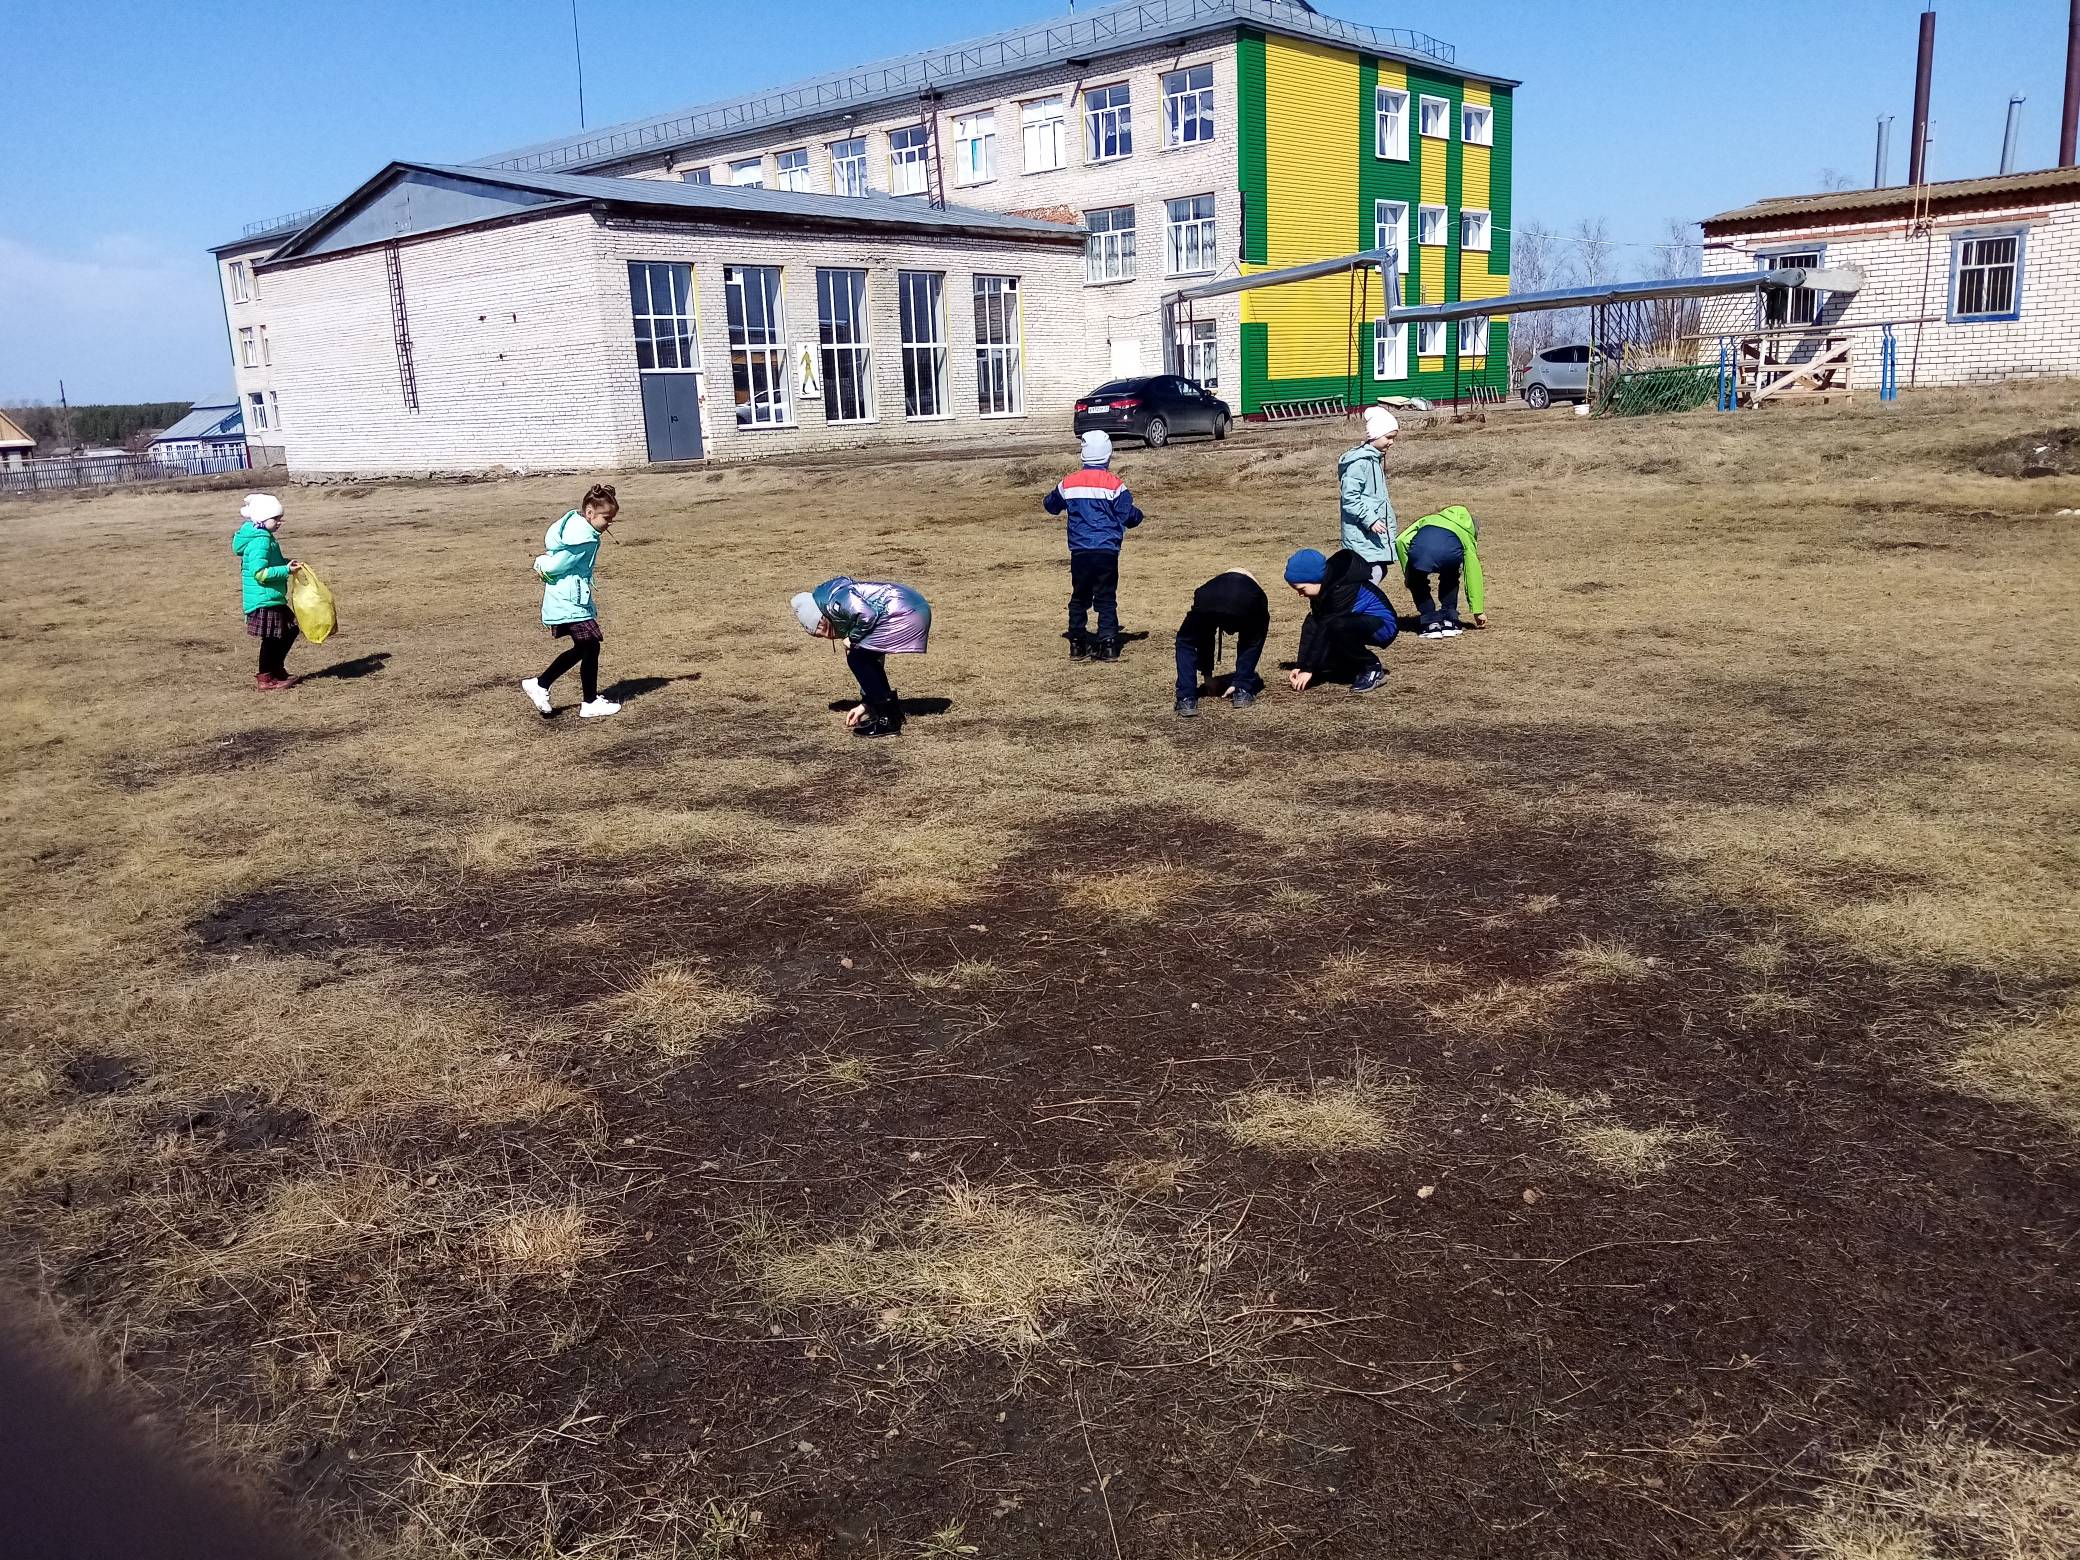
point(142, 133)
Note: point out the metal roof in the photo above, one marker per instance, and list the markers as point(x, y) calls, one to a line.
point(1065, 40)
point(710, 202)
point(1946, 194)
point(1842, 279)
point(221, 421)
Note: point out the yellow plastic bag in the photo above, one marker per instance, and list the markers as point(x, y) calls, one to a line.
point(312, 604)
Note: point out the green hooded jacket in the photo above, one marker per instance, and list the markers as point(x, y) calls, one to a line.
point(1461, 524)
point(262, 570)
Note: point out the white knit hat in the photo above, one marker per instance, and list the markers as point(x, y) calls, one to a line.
point(1379, 422)
point(260, 506)
point(807, 612)
point(1097, 447)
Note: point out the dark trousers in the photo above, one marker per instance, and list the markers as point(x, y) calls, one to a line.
point(1197, 649)
point(870, 667)
point(274, 655)
point(1094, 582)
point(1350, 637)
point(584, 655)
point(1434, 550)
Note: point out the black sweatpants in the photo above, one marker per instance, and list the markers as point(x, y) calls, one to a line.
point(870, 669)
point(584, 655)
point(274, 655)
point(1230, 603)
point(1094, 581)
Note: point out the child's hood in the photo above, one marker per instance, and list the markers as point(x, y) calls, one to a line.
point(1351, 457)
point(829, 591)
point(573, 530)
point(1459, 514)
point(244, 536)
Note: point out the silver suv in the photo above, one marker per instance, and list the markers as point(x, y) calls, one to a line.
point(1557, 374)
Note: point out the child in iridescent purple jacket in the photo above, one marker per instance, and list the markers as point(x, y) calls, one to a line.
point(875, 619)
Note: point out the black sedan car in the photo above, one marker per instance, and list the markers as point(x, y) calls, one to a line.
point(1153, 409)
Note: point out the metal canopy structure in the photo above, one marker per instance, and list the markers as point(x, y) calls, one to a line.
point(1833, 279)
point(1385, 261)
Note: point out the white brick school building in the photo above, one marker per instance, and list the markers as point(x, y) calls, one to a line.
point(460, 318)
point(1980, 278)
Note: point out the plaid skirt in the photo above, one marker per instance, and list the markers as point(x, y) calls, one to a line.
point(271, 623)
point(585, 633)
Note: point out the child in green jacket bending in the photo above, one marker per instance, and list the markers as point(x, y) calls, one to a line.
point(1444, 544)
point(263, 575)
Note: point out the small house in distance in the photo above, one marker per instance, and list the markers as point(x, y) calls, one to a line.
point(15, 445)
point(1978, 278)
point(212, 437)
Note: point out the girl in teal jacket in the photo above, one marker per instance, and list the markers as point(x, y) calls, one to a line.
point(565, 570)
point(263, 577)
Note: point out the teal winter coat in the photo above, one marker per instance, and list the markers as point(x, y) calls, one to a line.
point(566, 570)
point(263, 573)
point(1368, 514)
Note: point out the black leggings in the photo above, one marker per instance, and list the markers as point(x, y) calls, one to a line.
point(584, 655)
point(274, 655)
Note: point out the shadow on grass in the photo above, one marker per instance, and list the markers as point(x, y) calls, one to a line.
point(360, 666)
point(635, 687)
point(910, 706)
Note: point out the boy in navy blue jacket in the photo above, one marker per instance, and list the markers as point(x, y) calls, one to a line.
point(1101, 511)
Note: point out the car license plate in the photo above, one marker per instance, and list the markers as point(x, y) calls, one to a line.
point(1101, 406)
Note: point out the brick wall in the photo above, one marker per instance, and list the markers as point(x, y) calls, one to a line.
point(1117, 312)
point(524, 356)
point(1908, 278)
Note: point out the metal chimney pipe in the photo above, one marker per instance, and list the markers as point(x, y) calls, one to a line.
point(2014, 129)
point(1882, 174)
point(2069, 122)
point(1924, 68)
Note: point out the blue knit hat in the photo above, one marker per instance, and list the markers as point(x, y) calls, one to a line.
point(1306, 567)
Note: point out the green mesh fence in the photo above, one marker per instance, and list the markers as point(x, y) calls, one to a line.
point(1660, 390)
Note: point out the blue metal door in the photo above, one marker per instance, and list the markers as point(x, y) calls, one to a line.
point(672, 416)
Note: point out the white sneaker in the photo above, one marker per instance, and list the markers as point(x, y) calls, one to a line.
point(598, 709)
point(1433, 631)
point(1450, 630)
point(537, 695)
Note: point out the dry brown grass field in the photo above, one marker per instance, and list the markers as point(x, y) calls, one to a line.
point(1613, 1092)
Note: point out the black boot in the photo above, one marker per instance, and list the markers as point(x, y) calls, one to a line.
point(1079, 646)
point(1105, 650)
point(882, 720)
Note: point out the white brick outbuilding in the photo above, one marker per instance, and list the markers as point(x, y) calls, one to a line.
point(454, 319)
point(1979, 278)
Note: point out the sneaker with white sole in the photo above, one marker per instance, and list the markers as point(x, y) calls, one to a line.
point(1434, 631)
point(598, 709)
point(537, 695)
point(1449, 630)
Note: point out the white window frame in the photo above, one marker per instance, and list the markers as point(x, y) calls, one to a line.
point(1443, 109)
point(924, 355)
point(849, 166)
point(1476, 124)
point(1433, 227)
point(1110, 251)
point(1188, 118)
point(975, 147)
point(844, 336)
point(1108, 121)
point(1191, 243)
point(1479, 324)
point(906, 158)
point(1965, 257)
point(248, 347)
point(1044, 134)
point(1476, 229)
point(668, 337)
point(266, 349)
point(752, 348)
point(256, 411)
point(274, 411)
point(1389, 352)
point(1800, 307)
point(1000, 389)
point(241, 281)
point(1430, 338)
point(1390, 123)
point(1199, 354)
point(794, 174)
point(748, 173)
point(697, 175)
point(1390, 229)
